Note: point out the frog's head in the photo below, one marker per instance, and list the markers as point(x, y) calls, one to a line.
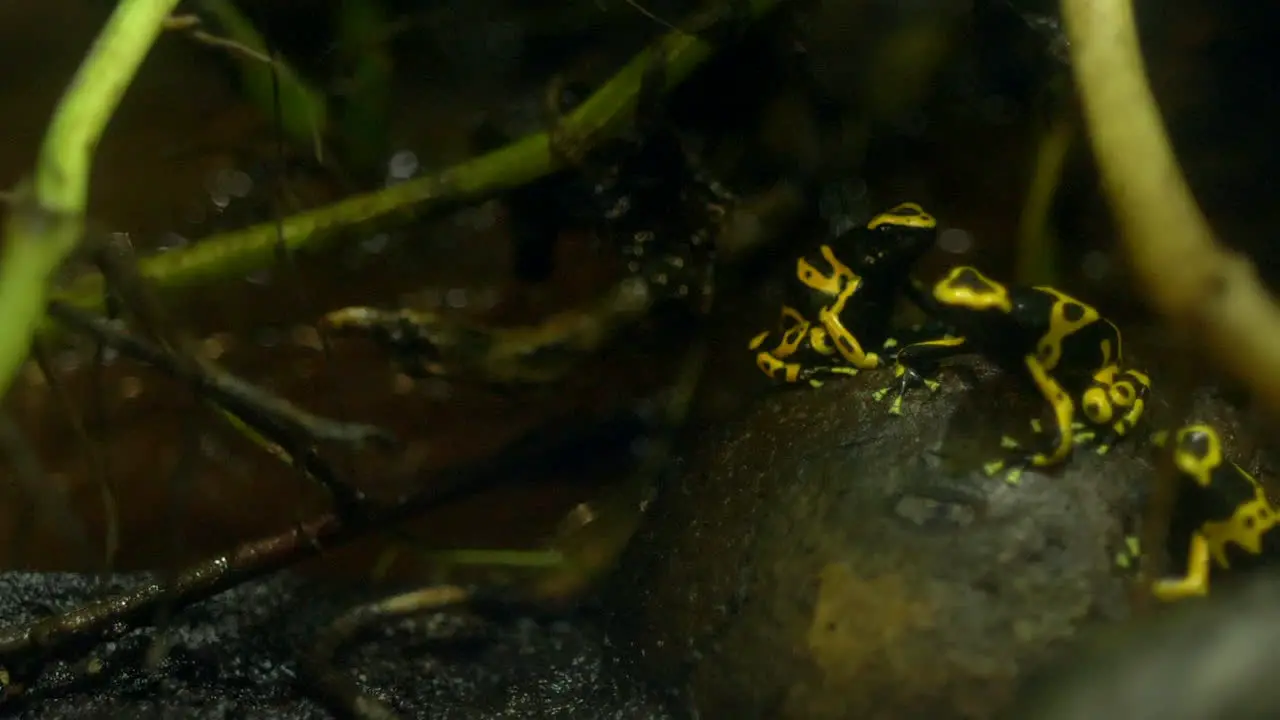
point(1197, 452)
point(965, 289)
point(899, 235)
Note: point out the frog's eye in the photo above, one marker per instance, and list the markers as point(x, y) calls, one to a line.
point(1096, 405)
point(1198, 442)
point(1197, 453)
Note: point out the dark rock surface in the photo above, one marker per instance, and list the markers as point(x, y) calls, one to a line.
point(235, 657)
point(822, 559)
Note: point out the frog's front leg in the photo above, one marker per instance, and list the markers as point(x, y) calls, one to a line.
point(831, 317)
point(846, 343)
point(914, 363)
point(1195, 581)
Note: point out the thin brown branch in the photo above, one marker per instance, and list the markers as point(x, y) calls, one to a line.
point(26, 649)
point(51, 504)
point(95, 460)
point(567, 581)
point(219, 385)
point(289, 431)
point(190, 26)
point(341, 691)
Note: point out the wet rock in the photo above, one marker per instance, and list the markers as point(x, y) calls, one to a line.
point(1203, 660)
point(824, 559)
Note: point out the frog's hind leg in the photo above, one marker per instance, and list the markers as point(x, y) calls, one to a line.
point(774, 367)
point(1061, 437)
point(799, 337)
point(1194, 582)
point(1126, 396)
point(778, 362)
point(794, 372)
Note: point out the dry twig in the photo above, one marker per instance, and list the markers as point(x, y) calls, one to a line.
point(190, 24)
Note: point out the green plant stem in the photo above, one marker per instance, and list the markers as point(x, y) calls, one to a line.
point(1037, 242)
point(369, 68)
point(525, 160)
point(1207, 292)
point(46, 217)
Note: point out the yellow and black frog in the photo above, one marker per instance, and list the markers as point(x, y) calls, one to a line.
point(846, 289)
point(1222, 518)
point(1070, 352)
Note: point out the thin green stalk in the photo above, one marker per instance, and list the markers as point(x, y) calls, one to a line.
point(46, 217)
point(1037, 242)
point(523, 161)
point(369, 72)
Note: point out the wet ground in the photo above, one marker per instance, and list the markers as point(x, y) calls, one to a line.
point(236, 657)
point(187, 156)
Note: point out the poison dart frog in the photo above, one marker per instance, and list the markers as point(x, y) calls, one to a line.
point(1222, 518)
point(847, 288)
point(1070, 352)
